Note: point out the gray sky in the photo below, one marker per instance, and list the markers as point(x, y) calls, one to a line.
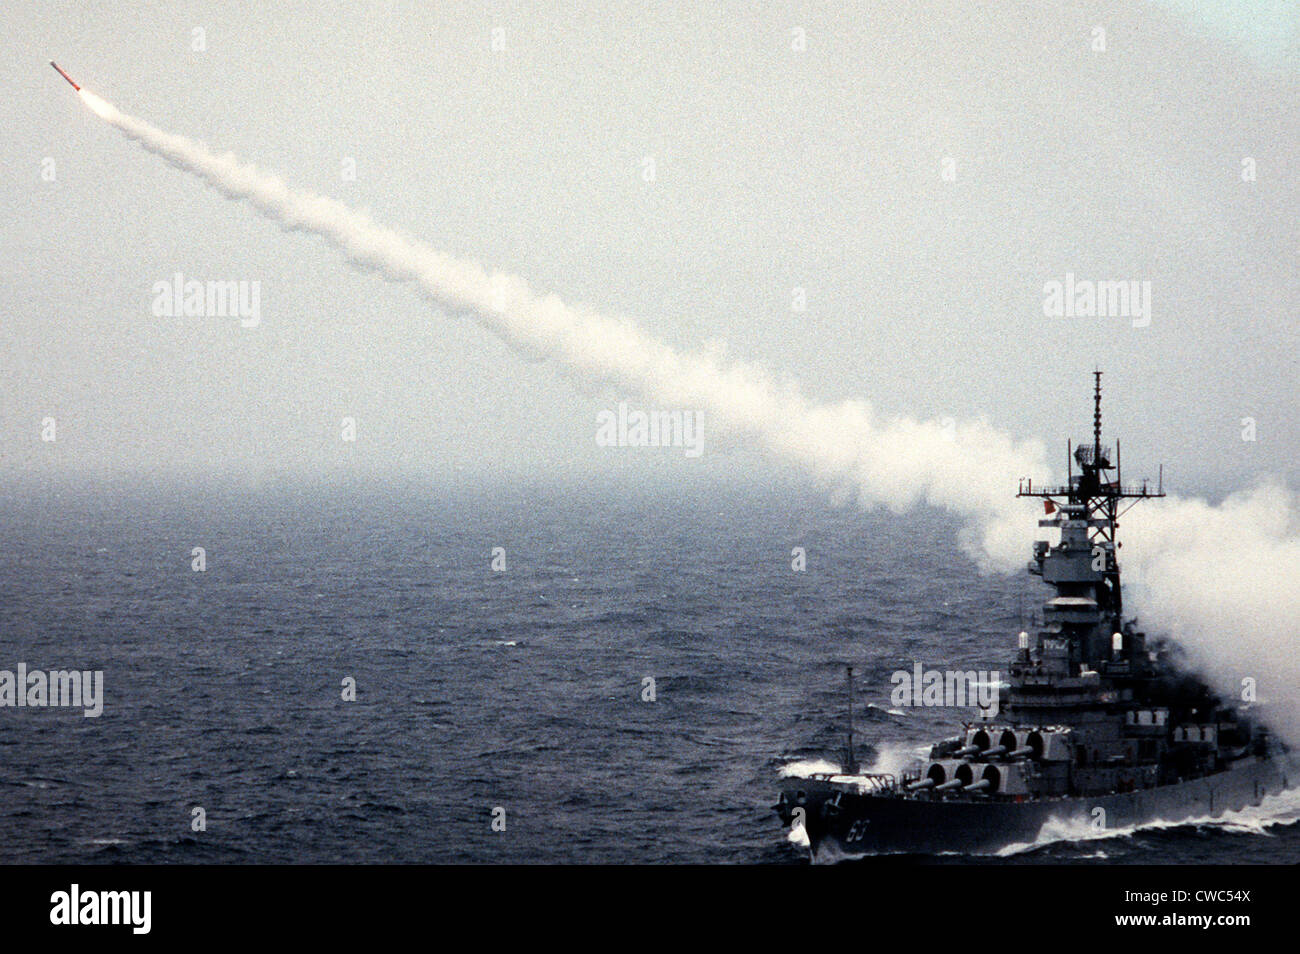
point(775, 168)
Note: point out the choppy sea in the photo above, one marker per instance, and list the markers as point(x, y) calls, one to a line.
point(518, 693)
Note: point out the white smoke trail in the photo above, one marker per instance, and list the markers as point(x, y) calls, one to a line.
point(963, 467)
point(1224, 580)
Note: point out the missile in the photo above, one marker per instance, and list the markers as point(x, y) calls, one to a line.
point(65, 76)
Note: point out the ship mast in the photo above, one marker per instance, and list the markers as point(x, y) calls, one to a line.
point(1096, 416)
point(851, 764)
point(1084, 567)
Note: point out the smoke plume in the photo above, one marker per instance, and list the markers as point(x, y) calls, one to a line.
point(1224, 582)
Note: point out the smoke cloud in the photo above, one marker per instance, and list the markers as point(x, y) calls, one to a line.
point(1223, 580)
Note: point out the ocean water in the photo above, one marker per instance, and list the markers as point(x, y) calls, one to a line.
point(478, 689)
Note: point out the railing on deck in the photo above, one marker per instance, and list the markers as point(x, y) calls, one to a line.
point(876, 781)
point(1142, 489)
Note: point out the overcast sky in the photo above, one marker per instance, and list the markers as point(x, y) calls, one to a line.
point(775, 168)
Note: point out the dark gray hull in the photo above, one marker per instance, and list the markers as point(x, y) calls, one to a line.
point(859, 824)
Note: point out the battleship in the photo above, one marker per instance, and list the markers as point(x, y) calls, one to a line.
point(1097, 728)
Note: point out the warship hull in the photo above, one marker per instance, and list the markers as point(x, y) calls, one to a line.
point(841, 822)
